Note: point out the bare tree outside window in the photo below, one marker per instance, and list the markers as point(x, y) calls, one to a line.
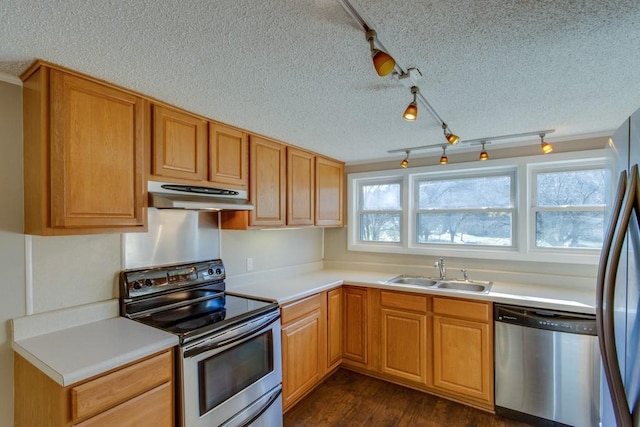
point(465, 211)
point(380, 208)
point(570, 207)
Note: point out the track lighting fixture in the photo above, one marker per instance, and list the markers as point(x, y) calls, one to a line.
point(545, 146)
point(451, 138)
point(411, 113)
point(405, 162)
point(382, 61)
point(444, 159)
point(483, 154)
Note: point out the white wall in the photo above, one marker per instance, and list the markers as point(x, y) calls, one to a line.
point(12, 264)
point(270, 249)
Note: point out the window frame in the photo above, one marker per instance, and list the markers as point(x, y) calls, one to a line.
point(522, 169)
point(416, 179)
point(533, 170)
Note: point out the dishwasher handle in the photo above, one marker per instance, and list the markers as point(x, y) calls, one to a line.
point(551, 320)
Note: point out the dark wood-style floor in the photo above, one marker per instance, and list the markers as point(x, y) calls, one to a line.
point(350, 399)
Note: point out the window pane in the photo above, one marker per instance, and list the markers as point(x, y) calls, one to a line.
point(570, 229)
point(476, 192)
point(491, 228)
point(380, 227)
point(380, 197)
point(571, 188)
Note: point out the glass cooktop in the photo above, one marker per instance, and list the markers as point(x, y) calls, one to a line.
point(207, 315)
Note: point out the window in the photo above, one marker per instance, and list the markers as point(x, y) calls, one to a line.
point(379, 211)
point(522, 209)
point(475, 210)
point(569, 208)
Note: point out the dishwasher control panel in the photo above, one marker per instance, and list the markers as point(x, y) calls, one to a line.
point(560, 321)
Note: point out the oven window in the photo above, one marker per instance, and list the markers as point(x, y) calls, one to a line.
point(224, 374)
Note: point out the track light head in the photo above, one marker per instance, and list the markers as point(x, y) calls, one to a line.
point(545, 146)
point(444, 159)
point(411, 113)
point(451, 138)
point(405, 162)
point(382, 61)
point(483, 154)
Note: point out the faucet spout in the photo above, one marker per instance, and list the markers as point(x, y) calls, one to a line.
point(441, 268)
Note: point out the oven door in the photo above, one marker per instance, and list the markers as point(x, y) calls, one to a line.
point(234, 378)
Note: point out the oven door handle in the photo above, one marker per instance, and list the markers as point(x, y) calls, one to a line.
point(243, 419)
point(232, 336)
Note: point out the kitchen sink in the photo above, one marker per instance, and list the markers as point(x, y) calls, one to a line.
point(412, 280)
point(450, 285)
point(469, 286)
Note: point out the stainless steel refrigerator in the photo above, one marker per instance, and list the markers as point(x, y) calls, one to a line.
point(618, 290)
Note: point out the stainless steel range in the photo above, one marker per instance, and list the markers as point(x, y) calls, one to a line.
point(229, 367)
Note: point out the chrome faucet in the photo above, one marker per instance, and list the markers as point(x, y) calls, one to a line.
point(441, 268)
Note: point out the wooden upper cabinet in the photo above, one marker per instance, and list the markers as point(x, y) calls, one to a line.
point(228, 156)
point(267, 182)
point(179, 144)
point(300, 187)
point(83, 155)
point(329, 192)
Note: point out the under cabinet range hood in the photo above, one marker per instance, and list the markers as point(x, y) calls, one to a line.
point(163, 195)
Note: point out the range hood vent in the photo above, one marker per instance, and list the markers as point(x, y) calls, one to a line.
point(173, 196)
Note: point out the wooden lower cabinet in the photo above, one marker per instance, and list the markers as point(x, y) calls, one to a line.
point(439, 345)
point(139, 394)
point(356, 327)
point(334, 328)
point(403, 343)
point(304, 344)
point(463, 350)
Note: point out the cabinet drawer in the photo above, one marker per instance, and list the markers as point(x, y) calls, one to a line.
point(299, 308)
point(462, 308)
point(402, 301)
point(153, 409)
point(105, 392)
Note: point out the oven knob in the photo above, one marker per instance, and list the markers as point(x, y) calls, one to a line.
point(148, 283)
point(137, 285)
point(210, 272)
point(218, 271)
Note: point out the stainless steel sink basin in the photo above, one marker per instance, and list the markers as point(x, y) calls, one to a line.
point(450, 285)
point(411, 280)
point(468, 285)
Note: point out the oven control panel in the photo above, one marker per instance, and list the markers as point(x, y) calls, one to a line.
point(148, 281)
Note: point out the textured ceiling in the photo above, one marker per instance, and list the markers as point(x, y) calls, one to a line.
point(300, 71)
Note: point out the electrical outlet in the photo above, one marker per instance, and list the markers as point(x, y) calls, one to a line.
point(249, 264)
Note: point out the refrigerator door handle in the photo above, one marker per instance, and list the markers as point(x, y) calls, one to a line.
point(605, 294)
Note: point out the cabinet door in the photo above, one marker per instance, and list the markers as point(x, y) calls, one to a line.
point(355, 325)
point(268, 182)
point(301, 362)
point(228, 156)
point(300, 187)
point(96, 155)
point(179, 144)
point(403, 336)
point(334, 328)
point(463, 358)
point(329, 192)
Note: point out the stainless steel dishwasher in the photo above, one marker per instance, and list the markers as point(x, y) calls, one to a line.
point(547, 366)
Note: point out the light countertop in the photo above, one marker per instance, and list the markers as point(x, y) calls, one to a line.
point(308, 283)
point(80, 352)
